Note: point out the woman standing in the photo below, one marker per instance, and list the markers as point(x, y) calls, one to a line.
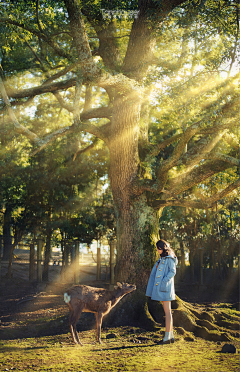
point(161, 285)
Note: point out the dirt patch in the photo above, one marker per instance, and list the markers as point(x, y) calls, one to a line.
point(23, 305)
point(31, 309)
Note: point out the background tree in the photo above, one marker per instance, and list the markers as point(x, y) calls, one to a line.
point(214, 231)
point(43, 193)
point(165, 98)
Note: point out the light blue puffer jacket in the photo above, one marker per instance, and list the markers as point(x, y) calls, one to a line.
point(161, 281)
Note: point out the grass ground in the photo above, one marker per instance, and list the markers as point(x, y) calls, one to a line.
point(122, 349)
point(34, 336)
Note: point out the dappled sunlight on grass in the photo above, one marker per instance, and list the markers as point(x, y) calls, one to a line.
point(121, 353)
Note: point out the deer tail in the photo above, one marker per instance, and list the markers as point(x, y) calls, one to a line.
point(66, 297)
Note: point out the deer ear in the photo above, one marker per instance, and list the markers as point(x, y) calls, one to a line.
point(119, 285)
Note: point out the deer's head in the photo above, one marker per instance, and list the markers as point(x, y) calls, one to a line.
point(125, 287)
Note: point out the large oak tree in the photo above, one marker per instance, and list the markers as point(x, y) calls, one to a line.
point(171, 118)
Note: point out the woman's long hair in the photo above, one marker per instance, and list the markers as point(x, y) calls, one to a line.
point(165, 246)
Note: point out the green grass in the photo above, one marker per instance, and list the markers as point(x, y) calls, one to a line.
point(57, 353)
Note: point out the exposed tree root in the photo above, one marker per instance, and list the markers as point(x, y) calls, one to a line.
point(211, 323)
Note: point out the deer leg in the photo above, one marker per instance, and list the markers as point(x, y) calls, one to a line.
point(99, 317)
point(73, 318)
point(71, 327)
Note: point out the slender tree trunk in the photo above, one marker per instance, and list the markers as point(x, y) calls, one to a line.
point(63, 250)
point(7, 238)
point(45, 276)
point(219, 258)
point(17, 239)
point(183, 266)
point(191, 261)
point(9, 272)
point(231, 257)
point(213, 259)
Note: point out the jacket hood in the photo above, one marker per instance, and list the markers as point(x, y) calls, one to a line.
point(173, 258)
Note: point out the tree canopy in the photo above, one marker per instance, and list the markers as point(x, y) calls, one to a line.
point(156, 83)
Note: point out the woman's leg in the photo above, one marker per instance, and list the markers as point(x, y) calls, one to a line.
point(168, 315)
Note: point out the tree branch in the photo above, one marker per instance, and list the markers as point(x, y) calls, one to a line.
point(89, 68)
point(58, 96)
point(85, 149)
point(99, 112)
point(44, 88)
point(140, 51)
point(42, 36)
point(226, 158)
point(181, 183)
point(119, 81)
point(180, 147)
point(200, 151)
point(18, 103)
point(77, 96)
point(18, 127)
point(52, 136)
point(88, 98)
point(162, 145)
point(108, 43)
point(218, 196)
point(204, 203)
point(63, 103)
point(43, 143)
point(77, 126)
point(60, 73)
point(180, 203)
point(192, 157)
point(92, 129)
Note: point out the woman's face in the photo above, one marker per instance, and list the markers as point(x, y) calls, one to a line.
point(160, 250)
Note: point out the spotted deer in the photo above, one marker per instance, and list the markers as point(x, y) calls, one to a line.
point(100, 301)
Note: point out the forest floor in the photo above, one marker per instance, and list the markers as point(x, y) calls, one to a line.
point(35, 336)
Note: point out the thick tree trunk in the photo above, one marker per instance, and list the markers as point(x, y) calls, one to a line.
point(137, 233)
point(123, 149)
point(134, 217)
